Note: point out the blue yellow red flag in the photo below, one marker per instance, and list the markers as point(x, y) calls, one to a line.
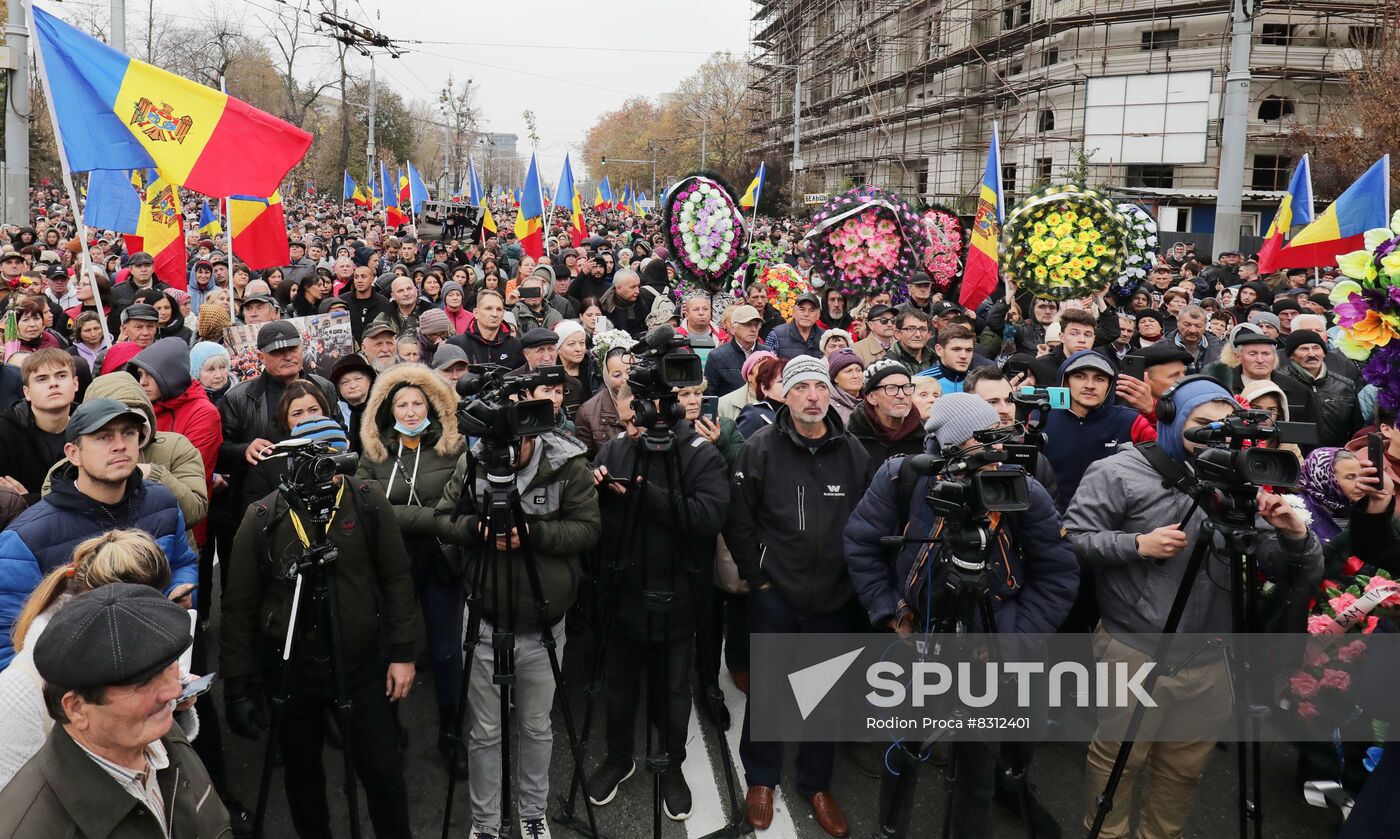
point(160, 229)
point(259, 228)
point(529, 220)
point(980, 269)
point(1341, 228)
point(755, 191)
point(209, 221)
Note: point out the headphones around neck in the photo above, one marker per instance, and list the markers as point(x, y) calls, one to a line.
point(1166, 407)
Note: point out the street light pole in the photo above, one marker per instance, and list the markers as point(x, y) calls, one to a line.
point(654, 197)
point(797, 165)
point(1235, 121)
point(17, 117)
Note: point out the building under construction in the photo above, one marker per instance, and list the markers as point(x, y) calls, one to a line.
point(1121, 93)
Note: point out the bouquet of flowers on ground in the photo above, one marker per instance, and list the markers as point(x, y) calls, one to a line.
point(784, 284)
point(1368, 309)
point(863, 241)
point(705, 231)
point(942, 260)
point(1063, 242)
point(1140, 249)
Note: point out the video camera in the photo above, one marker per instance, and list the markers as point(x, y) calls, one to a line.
point(664, 364)
point(1033, 406)
point(962, 488)
point(1231, 452)
point(488, 411)
point(311, 464)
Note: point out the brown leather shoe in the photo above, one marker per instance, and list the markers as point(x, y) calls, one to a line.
point(829, 815)
point(758, 807)
point(741, 681)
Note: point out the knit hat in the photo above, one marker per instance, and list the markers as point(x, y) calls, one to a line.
point(213, 320)
point(840, 360)
point(804, 368)
point(753, 359)
point(435, 322)
point(1299, 337)
point(1265, 319)
point(200, 354)
point(323, 430)
point(833, 333)
point(1186, 397)
point(953, 419)
point(880, 370)
point(566, 329)
point(452, 285)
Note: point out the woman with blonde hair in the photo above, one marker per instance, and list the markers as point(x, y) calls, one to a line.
point(117, 556)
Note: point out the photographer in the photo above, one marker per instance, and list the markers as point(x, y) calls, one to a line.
point(1032, 574)
point(667, 640)
point(371, 569)
point(562, 521)
point(1126, 523)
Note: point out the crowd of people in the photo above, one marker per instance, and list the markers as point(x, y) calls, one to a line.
point(136, 457)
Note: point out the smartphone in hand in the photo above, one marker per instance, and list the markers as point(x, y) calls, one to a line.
point(709, 408)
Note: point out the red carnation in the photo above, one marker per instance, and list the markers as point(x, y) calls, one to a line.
point(1353, 566)
point(1350, 653)
point(1307, 710)
point(1336, 679)
point(1303, 684)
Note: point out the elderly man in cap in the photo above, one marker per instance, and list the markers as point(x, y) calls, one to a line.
point(724, 365)
point(450, 363)
point(139, 324)
point(301, 267)
point(794, 486)
point(541, 348)
point(142, 276)
point(379, 346)
point(801, 336)
point(1316, 393)
point(1255, 359)
point(100, 488)
point(258, 308)
point(880, 321)
point(114, 764)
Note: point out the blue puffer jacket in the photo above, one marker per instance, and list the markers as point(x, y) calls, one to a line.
point(788, 343)
point(43, 537)
point(1031, 593)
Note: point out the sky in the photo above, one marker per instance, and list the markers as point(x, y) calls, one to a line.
point(568, 61)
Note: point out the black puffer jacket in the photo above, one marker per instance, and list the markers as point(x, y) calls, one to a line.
point(788, 508)
point(1329, 402)
point(248, 414)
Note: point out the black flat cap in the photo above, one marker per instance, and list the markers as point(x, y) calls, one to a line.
point(539, 337)
point(93, 414)
point(139, 311)
point(1162, 353)
point(278, 335)
point(118, 634)
point(141, 258)
point(878, 310)
point(920, 278)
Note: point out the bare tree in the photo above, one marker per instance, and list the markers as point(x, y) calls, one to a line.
point(292, 36)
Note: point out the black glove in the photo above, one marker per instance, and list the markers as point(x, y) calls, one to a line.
point(244, 712)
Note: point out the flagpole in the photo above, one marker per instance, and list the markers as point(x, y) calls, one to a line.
point(539, 190)
point(67, 177)
point(228, 206)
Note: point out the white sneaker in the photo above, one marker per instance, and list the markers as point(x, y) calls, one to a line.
point(536, 828)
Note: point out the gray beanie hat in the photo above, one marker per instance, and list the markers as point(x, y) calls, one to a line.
point(804, 368)
point(953, 419)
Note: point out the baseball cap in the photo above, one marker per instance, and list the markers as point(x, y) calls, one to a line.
point(377, 326)
point(257, 298)
point(1089, 360)
point(94, 414)
point(449, 355)
point(879, 310)
point(744, 314)
point(920, 278)
point(278, 335)
point(808, 297)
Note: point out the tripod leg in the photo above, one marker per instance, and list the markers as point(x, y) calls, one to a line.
point(278, 710)
point(326, 595)
point(472, 640)
point(897, 787)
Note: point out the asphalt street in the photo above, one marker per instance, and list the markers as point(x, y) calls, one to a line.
point(1057, 774)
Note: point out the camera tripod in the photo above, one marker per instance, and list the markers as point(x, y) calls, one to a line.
point(1230, 514)
point(961, 602)
point(658, 443)
point(311, 511)
point(501, 513)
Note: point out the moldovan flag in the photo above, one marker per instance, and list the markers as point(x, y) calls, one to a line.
point(1295, 209)
point(602, 196)
point(529, 227)
point(626, 203)
point(112, 202)
point(417, 191)
point(568, 193)
point(359, 197)
point(1341, 228)
point(208, 222)
point(475, 196)
point(160, 230)
point(391, 197)
point(755, 190)
point(259, 230)
point(115, 112)
point(980, 270)
point(348, 188)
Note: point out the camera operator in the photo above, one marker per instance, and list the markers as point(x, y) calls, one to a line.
point(668, 640)
point(1126, 523)
point(562, 521)
point(372, 568)
point(991, 386)
point(1032, 575)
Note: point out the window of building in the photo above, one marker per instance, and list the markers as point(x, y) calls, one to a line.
point(1018, 15)
point(1276, 34)
point(921, 173)
point(1045, 121)
point(1271, 172)
point(1015, 68)
point(1364, 37)
point(1008, 177)
point(1161, 39)
point(1044, 168)
point(1151, 176)
point(1276, 108)
point(1049, 56)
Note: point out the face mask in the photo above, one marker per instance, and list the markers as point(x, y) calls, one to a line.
point(415, 431)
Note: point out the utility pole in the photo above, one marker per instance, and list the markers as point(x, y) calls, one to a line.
point(797, 165)
point(366, 42)
point(17, 117)
point(1234, 122)
point(119, 25)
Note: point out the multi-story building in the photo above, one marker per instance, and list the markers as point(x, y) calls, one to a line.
point(1122, 93)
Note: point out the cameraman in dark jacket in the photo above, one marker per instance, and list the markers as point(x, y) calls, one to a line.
point(1033, 577)
point(794, 486)
point(371, 569)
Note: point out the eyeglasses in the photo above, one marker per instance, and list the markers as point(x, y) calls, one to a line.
point(883, 321)
point(917, 330)
point(895, 390)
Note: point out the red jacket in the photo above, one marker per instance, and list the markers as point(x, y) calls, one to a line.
point(193, 415)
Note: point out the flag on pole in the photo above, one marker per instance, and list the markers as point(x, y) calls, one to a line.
point(626, 203)
point(980, 270)
point(160, 229)
point(475, 194)
point(602, 196)
point(360, 198)
point(1341, 228)
point(209, 221)
point(259, 229)
point(755, 190)
point(568, 194)
point(112, 202)
point(417, 190)
point(529, 226)
point(348, 188)
point(115, 112)
point(1295, 209)
point(391, 196)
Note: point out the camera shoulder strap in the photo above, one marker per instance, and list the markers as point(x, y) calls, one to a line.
point(1173, 476)
point(907, 480)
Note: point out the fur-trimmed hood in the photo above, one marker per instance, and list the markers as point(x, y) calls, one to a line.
point(378, 423)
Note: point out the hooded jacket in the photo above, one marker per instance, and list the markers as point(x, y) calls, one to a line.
point(393, 466)
point(43, 537)
point(183, 407)
point(561, 522)
point(1032, 572)
point(788, 505)
point(504, 349)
